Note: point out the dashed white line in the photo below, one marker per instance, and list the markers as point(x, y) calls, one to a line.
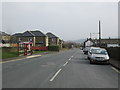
point(65, 63)
point(55, 75)
point(71, 56)
point(69, 59)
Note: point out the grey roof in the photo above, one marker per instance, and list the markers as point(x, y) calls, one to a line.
point(17, 34)
point(3, 33)
point(28, 34)
point(37, 33)
point(51, 35)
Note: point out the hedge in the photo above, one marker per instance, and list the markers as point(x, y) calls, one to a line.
point(53, 48)
point(9, 49)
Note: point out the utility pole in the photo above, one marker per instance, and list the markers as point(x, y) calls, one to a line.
point(99, 33)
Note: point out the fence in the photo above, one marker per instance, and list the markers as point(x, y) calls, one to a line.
point(39, 48)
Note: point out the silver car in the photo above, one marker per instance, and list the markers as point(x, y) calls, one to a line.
point(98, 55)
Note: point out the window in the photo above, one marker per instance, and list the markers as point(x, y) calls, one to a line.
point(30, 39)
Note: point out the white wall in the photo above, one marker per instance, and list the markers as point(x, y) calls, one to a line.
point(88, 43)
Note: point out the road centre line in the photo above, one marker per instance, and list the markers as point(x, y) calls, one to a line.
point(74, 54)
point(69, 59)
point(55, 75)
point(65, 63)
point(71, 56)
point(115, 69)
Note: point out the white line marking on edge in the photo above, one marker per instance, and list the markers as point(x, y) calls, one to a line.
point(65, 63)
point(115, 69)
point(12, 60)
point(33, 56)
point(55, 75)
point(20, 59)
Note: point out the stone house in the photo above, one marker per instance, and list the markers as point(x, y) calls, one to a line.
point(37, 37)
point(54, 40)
point(5, 38)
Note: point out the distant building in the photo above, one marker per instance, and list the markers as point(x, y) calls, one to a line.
point(110, 42)
point(88, 43)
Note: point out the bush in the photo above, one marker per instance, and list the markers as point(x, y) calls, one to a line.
point(53, 48)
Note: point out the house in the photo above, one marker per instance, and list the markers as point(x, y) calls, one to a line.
point(5, 38)
point(61, 43)
point(88, 43)
point(110, 42)
point(15, 38)
point(37, 37)
point(52, 39)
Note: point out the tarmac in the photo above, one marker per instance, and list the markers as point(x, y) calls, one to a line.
point(115, 63)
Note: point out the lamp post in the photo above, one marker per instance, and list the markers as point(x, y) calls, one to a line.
point(99, 33)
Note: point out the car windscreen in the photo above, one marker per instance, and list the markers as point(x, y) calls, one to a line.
point(99, 51)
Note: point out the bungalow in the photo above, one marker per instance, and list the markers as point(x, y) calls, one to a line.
point(37, 37)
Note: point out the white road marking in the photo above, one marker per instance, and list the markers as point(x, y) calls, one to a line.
point(65, 63)
point(115, 69)
point(69, 59)
point(33, 56)
point(71, 56)
point(13, 60)
point(55, 75)
point(20, 59)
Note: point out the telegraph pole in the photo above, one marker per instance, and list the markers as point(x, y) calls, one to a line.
point(99, 33)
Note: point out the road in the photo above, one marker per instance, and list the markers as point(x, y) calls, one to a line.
point(66, 69)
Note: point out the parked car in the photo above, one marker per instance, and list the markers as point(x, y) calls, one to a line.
point(98, 55)
point(86, 49)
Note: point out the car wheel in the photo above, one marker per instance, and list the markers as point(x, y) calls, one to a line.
point(88, 58)
point(91, 62)
point(108, 62)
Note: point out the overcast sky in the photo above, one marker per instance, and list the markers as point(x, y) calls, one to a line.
point(68, 20)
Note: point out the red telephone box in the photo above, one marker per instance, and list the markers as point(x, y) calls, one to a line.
point(25, 48)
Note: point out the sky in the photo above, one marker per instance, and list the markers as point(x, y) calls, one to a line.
point(68, 20)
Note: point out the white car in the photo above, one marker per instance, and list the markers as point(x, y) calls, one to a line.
point(86, 49)
point(98, 55)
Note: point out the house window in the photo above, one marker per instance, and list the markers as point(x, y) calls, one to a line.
point(19, 39)
point(52, 39)
point(30, 39)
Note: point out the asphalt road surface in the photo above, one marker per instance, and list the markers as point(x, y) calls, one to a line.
point(67, 69)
